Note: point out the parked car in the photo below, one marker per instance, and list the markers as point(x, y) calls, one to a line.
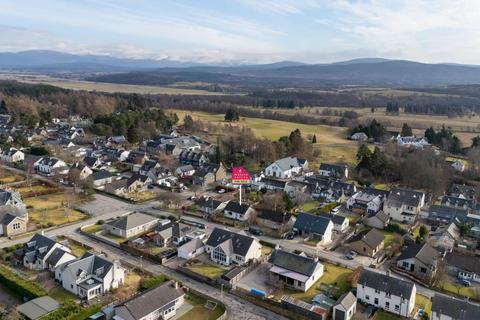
point(221, 191)
point(290, 235)
point(335, 210)
point(465, 282)
point(351, 255)
point(256, 232)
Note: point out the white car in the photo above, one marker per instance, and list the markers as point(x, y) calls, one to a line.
point(221, 191)
point(336, 210)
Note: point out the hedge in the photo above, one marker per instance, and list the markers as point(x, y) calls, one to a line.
point(72, 311)
point(20, 286)
point(267, 244)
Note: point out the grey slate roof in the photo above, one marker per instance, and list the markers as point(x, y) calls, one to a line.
point(468, 192)
point(334, 168)
point(240, 243)
point(384, 283)
point(38, 246)
point(157, 298)
point(294, 262)
point(236, 207)
point(55, 256)
point(455, 308)
point(373, 238)
point(424, 253)
point(347, 300)
point(131, 221)
point(464, 262)
point(457, 202)
point(311, 224)
point(90, 264)
point(103, 174)
point(288, 163)
point(336, 219)
point(397, 197)
point(275, 216)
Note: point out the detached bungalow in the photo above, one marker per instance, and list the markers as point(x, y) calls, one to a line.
point(317, 226)
point(160, 302)
point(294, 271)
point(131, 225)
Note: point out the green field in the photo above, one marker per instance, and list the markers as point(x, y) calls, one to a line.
point(331, 141)
point(105, 87)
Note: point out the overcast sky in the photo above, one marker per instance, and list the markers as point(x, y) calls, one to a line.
point(254, 31)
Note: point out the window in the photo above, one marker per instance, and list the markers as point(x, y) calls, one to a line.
point(375, 301)
point(423, 270)
point(388, 295)
point(397, 308)
point(377, 291)
point(16, 226)
point(367, 297)
point(405, 264)
point(218, 255)
point(387, 305)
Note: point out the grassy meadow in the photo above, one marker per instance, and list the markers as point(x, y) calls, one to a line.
point(331, 141)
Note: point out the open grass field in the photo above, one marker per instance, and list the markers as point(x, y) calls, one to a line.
point(334, 276)
point(48, 210)
point(464, 127)
point(199, 312)
point(331, 141)
point(102, 86)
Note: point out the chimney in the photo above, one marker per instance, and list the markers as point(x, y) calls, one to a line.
point(175, 284)
point(42, 232)
point(277, 247)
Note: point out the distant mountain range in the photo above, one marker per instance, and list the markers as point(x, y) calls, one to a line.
point(365, 71)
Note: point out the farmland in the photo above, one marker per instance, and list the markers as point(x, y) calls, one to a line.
point(331, 141)
point(104, 87)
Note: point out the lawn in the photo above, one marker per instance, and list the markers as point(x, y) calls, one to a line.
point(114, 237)
point(34, 188)
point(388, 238)
point(335, 276)
point(331, 141)
point(142, 196)
point(199, 312)
point(11, 178)
point(383, 315)
point(309, 206)
point(207, 270)
point(60, 294)
point(94, 228)
point(48, 210)
point(458, 289)
point(55, 217)
point(78, 249)
point(423, 302)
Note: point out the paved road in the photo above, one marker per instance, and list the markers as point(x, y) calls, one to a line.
point(238, 308)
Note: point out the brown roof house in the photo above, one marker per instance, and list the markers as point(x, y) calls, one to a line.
point(367, 242)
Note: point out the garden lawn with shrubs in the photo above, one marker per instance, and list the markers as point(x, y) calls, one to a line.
point(19, 285)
